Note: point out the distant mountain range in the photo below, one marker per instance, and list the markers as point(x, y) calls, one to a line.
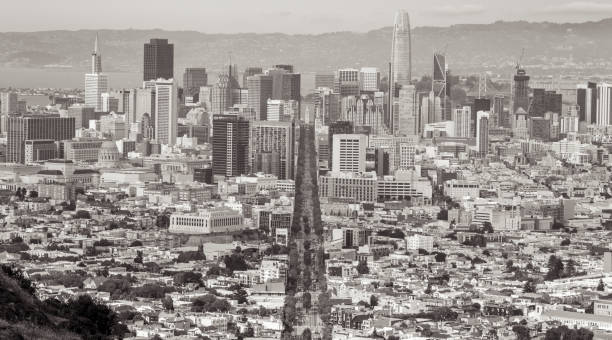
point(549, 48)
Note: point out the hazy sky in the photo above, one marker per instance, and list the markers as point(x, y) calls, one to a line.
point(287, 16)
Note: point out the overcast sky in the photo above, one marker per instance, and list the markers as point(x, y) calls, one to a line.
point(287, 16)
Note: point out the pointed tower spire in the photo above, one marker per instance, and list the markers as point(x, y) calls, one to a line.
point(96, 58)
point(96, 44)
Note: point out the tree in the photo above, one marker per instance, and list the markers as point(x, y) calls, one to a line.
point(373, 301)
point(83, 214)
point(306, 300)
point(565, 242)
point(168, 303)
point(601, 287)
point(487, 227)
point(33, 194)
point(235, 262)
point(440, 257)
point(162, 221)
point(138, 258)
point(522, 332)
point(555, 268)
point(442, 215)
point(136, 243)
point(529, 287)
point(362, 268)
point(306, 334)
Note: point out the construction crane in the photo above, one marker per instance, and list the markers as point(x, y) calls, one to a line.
point(520, 59)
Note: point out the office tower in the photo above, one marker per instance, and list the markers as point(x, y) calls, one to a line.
point(8, 103)
point(369, 79)
point(407, 113)
point(337, 127)
point(230, 144)
point(440, 82)
point(462, 118)
point(324, 80)
point(158, 60)
point(347, 82)
point(166, 111)
point(520, 124)
point(260, 90)
point(520, 96)
point(482, 133)
point(401, 51)
point(431, 110)
point(193, 79)
point(109, 103)
point(586, 98)
point(113, 126)
point(282, 110)
point(205, 97)
point(32, 128)
point(381, 162)
point(145, 103)
point(249, 72)
point(540, 128)
point(146, 126)
point(127, 103)
point(221, 95)
point(326, 105)
point(365, 111)
point(543, 101)
point(406, 152)
point(480, 104)
point(96, 82)
point(81, 114)
point(604, 104)
point(498, 109)
point(349, 152)
point(272, 142)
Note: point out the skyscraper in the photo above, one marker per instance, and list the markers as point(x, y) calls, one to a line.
point(462, 118)
point(520, 91)
point(586, 98)
point(604, 104)
point(96, 82)
point(401, 50)
point(498, 109)
point(166, 111)
point(35, 128)
point(230, 144)
point(337, 127)
point(275, 139)
point(8, 103)
point(248, 72)
point(260, 90)
point(349, 153)
point(193, 79)
point(407, 113)
point(369, 79)
point(347, 82)
point(158, 60)
point(324, 80)
point(221, 95)
point(482, 133)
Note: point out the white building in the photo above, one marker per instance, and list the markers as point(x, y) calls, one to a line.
point(407, 111)
point(96, 82)
point(166, 111)
point(209, 221)
point(369, 79)
point(604, 104)
point(462, 118)
point(349, 153)
point(419, 241)
point(8, 102)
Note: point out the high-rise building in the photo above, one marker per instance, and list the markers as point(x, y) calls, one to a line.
point(166, 111)
point(482, 133)
point(520, 91)
point(221, 95)
point(158, 60)
point(81, 114)
point(604, 104)
point(327, 105)
point(145, 103)
point(463, 118)
point(96, 82)
point(32, 128)
point(431, 110)
point(498, 109)
point(324, 80)
point(479, 104)
point(401, 51)
point(8, 103)
point(349, 153)
point(347, 82)
point(109, 102)
point(127, 103)
point(230, 144)
point(249, 72)
point(272, 142)
point(260, 90)
point(337, 127)
point(365, 111)
point(407, 113)
point(369, 79)
point(586, 98)
point(543, 101)
point(193, 79)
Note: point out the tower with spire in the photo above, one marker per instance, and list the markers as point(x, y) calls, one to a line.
point(96, 82)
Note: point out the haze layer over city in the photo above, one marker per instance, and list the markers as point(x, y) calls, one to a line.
point(300, 170)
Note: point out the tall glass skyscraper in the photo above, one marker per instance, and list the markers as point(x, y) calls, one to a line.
point(158, 60)
point(401, 50)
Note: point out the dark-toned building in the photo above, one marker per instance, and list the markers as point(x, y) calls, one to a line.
point(521, 91)
point(480, 104)
point(204, 175)
point(158, 60)
point(230, 144)
point(544, 101)
point(586, 98)
point(198, 131)
point(32, 128)
point(193, 79)
point(539, 128)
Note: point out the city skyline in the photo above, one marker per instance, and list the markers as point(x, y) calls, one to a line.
point(296, 17)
